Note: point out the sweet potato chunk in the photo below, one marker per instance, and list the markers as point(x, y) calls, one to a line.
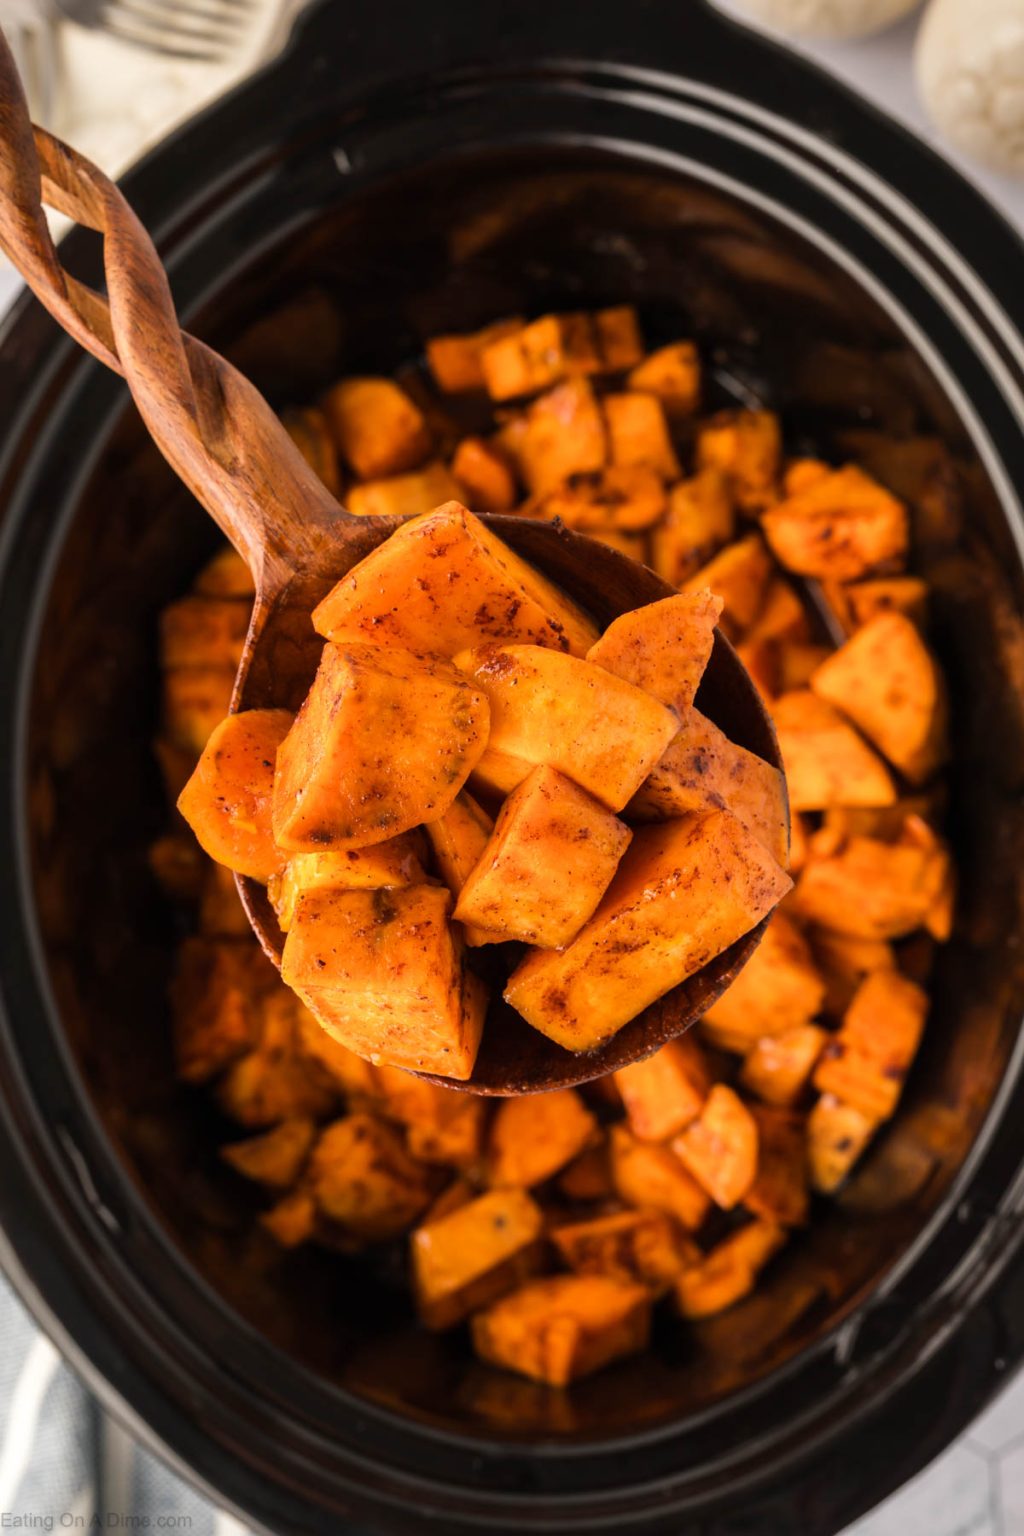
point(779, 1193)
point(564, 435)
point(560, 1329)
point(278, 1080)
point(554, 709)
point(673, 374)
point(796, 663)
point(469, 1258)
point(216, 1003)
point(841, 526)
point(361, 1177)
point(873, 890)
point(663, 1093)
point(908, 595)
point(384, 741)
point(867, 1062)
point(619, 342)
point(378, 429)
point(739, 576)
point(616, 499)
point(637, 1247)
point(535, 1135)
point(309, 431)
point(729, 1272)
point(539, 354)
point(455, 360)
point(746, 446)
point(638, 434)
point(685, 890)
point(408, 495)
point(355, 1077)
point(458, 838)
point(844, 961)
point(663, 647)
point(221, 914)
point(276, 1158)
point(443, 582)
point(646, 1174)
point(837, 1134)
point(699, 522)
point(719, 1149)
point(779, 1066)
point(827, 762)
point(778, 988)
point(589, 1176)
point(195, 701)
point(382, 971)
point(456, 1140)
point(549, 860)
point(227, 801)
point(203, 632)
point(292, 1221)
point(483, 475)
point(394, 862)
point(887, 682)
point(703, 770)
point(226, 575)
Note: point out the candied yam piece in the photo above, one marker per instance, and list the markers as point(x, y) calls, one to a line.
point(666, 1090)
point(638, 434)
point(355, 1077)
point(893, 594)
point(779, 987)
point(377, 428)
point(589, 1176)
point(444, 581)
point(226, 575)
point(383, 972)
point(887, 682)
point(361, 1177)
point(470, 1257)
point(703, 770)
point(873, 890)
point(309, 431)
point(720, 1148)
point(615, 499)
point(673, 374)
point(796, 663)
point(739, 575)
point(646, 1174)
point(203, 632)
point(408, 495)
point(663, 647)
point(619, 342)
point(394, 862)
point(221, 914)
point(564, 435)
point(698, 523)
point(685, 890)
point(779, 1193)
point(778, 1067)
point(867, 1062)
point(384, 741)
point(292, 1221)
point(837, 1134)
point(643, 1247)
point(746, 446)
point(599, 730)
point(455, 359)
point(216, 1004)
point(548, 862)
point(276, 1158)
point(827, 762)
point(194, 702)
point(840, 527)
point(535, 1135)
point(539, 354)
point(563, 1328)
point(483, 475)
point(729, 1272)
point(227, 801)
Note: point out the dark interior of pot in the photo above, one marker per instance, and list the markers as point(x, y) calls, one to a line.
point(358, 289)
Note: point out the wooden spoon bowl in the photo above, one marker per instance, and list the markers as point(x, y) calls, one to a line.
point(223, 440)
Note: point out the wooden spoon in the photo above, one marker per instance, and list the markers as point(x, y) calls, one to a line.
point(223, 440)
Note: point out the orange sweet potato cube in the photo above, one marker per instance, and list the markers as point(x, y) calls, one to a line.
point(699, 522)
point(729, 1272)
point(309, 431)
point(827, 762)
point(643, 1247)
point(455, 359)
point(470, 1257)
point(279, 1079)
point(458, 838)
point(221, 913)
point(394, 862)
point(384, 741)
point(685, 890)
point(837, 1134)
point(216, 1005)
point(908, 595)
point(539, 354)
point(618, 499)
point(535, 1135)
point(796, 662)
point(226, 575)
point(548, 862)
point(720, 1148)
point(546, 707)
point(194, 702)
point(456, 1140)
point(782, 616)
point(648, 1175)
point(378, 429)
point(356, 1078)
point(844, 960)
point(444, 581)
point(739, 575)
point(408, 495)
point(870, 889)
point(778, 988)
point(778, 1067)
point(203, 632)
point(840, 527)
point(673, 374)
point(663, 647)
point(867, 1062)
point(227, 801)
point(746, 446)
point(780, 1192)
point(361, 1177)
point(275, 1158)
point(666, 1090)
point(292, 1221)
point(638, 434)
point(484, 477)
point(383, 972)
point(619, 342)
point(564, 435)
point(560, 1329)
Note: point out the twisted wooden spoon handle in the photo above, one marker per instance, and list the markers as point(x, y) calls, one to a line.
point(209, 422)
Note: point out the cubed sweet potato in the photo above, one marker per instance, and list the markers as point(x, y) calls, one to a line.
point(673, 374)
point(827, 762)
point(279, 1080)
point(227, 801)
point(844, 961)
point(469, 1258)
point(698, 523)
point(637, 1247)
point(309, 431)
point(779, 1193)
point(275, 1158)
point(548, 862)
point(666, 1090)
point(618, 499)
point(195, 701)
point(739, 576)
point(867, 1062)
point(564, 435)
point(837, 1134)
point(383, 972)
point(361, 1177)
point(619, 342)
point(384, 741)
point(873, 890)
point(779, 1066)
point(560, 1329)
point(455, 359)
point(216, 1004)
point(456, 1141)
point(292, 1221)
point(496, 776)
point(221, 914)
point(226, 575)
point(443, 582)
point(648, 1175)
point(484, 477)
point(203, 632)
point(638, 434)
point(408, 495)
point(729, 1272)
point(840, 527)
point(746, 446)
point(720, 1147)
point(355, 1077)
point(779, 987)
point(887, 682)
point(535, 1135)
point(377, 428)
point(796, 662)
point(452, 1198)
point(663, 647)
point(685, 890)
point(458, 838)
point(546, 707)
point(893, 594)
point(539, 354)
point(394, 862)
point(589, 1176)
